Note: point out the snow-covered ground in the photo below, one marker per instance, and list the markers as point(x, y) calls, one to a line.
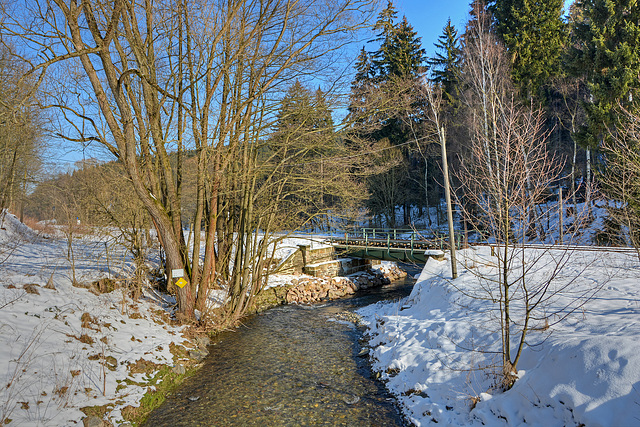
point(63, 348)
point(436, 348)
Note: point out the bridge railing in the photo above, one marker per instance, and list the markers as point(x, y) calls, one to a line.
point(391, 236)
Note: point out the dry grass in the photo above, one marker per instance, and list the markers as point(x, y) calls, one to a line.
point(142, 366)
point(31, 288)
point(39, 227)
point(88, 320)
point(84, 338)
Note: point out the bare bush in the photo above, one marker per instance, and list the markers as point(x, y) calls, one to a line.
point(154, 82)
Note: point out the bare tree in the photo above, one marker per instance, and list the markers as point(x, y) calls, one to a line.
point(21, 129)
point(568, 108)
point(505, 184)
point(106, 190)
point(146, 79)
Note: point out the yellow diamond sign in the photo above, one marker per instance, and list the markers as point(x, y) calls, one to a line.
point(181, 282)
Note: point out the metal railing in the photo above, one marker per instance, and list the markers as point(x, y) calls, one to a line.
point(398, 237)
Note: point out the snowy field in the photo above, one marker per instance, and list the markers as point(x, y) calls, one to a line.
point(62, 347)
point(436, 348)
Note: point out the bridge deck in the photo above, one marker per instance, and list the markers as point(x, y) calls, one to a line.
point(401, 250)
point(392, 254)
point(391, 243)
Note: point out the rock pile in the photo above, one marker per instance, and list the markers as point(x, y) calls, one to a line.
point(307, 290)
point(391, 271)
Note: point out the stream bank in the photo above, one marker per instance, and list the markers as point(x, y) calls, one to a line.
point(304, 289)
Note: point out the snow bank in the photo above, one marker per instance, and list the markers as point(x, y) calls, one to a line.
point(436, 348)
point(13, 231)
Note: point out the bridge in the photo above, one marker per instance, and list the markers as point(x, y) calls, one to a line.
point(402, 245)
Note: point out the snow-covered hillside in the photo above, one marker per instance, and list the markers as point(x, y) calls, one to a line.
point(436, 348)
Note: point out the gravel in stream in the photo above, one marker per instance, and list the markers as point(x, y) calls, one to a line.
point(288, 366)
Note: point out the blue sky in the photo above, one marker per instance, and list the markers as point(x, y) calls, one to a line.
point(428, 17)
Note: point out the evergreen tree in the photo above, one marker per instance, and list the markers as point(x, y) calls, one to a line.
point(295, 109)
point(361, 86)
point(302, 143)
point(445, 65)
point(479, 12)
point(400, 53)
point(534, 33)
point(383, 97)
point(364, 69)
point(400, 65)
point(304, 120)
point(404, 56)
point(607, 49)
point(322, 119)
point(386, 28)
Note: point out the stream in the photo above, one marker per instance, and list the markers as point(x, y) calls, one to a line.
point(288, 366)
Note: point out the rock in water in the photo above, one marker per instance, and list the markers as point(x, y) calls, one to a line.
point(364, 352)
point(351, 400)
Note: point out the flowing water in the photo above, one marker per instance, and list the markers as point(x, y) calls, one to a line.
point(288, 366)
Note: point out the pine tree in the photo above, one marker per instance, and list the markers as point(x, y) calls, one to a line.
point(445, 65)
point(534, 33)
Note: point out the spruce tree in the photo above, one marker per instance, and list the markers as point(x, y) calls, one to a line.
point(400, 53)
point(607, 50)
point(303, 140)
point(386, 28)
point(405, 57)
point(361, 87)
point(479, 11)
point(401, 58)
point(445, 64)
point(322, 119)
point(364, 69)
point(534, 33)
point(383, 77)
point(295, 109)
point(304, 115)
